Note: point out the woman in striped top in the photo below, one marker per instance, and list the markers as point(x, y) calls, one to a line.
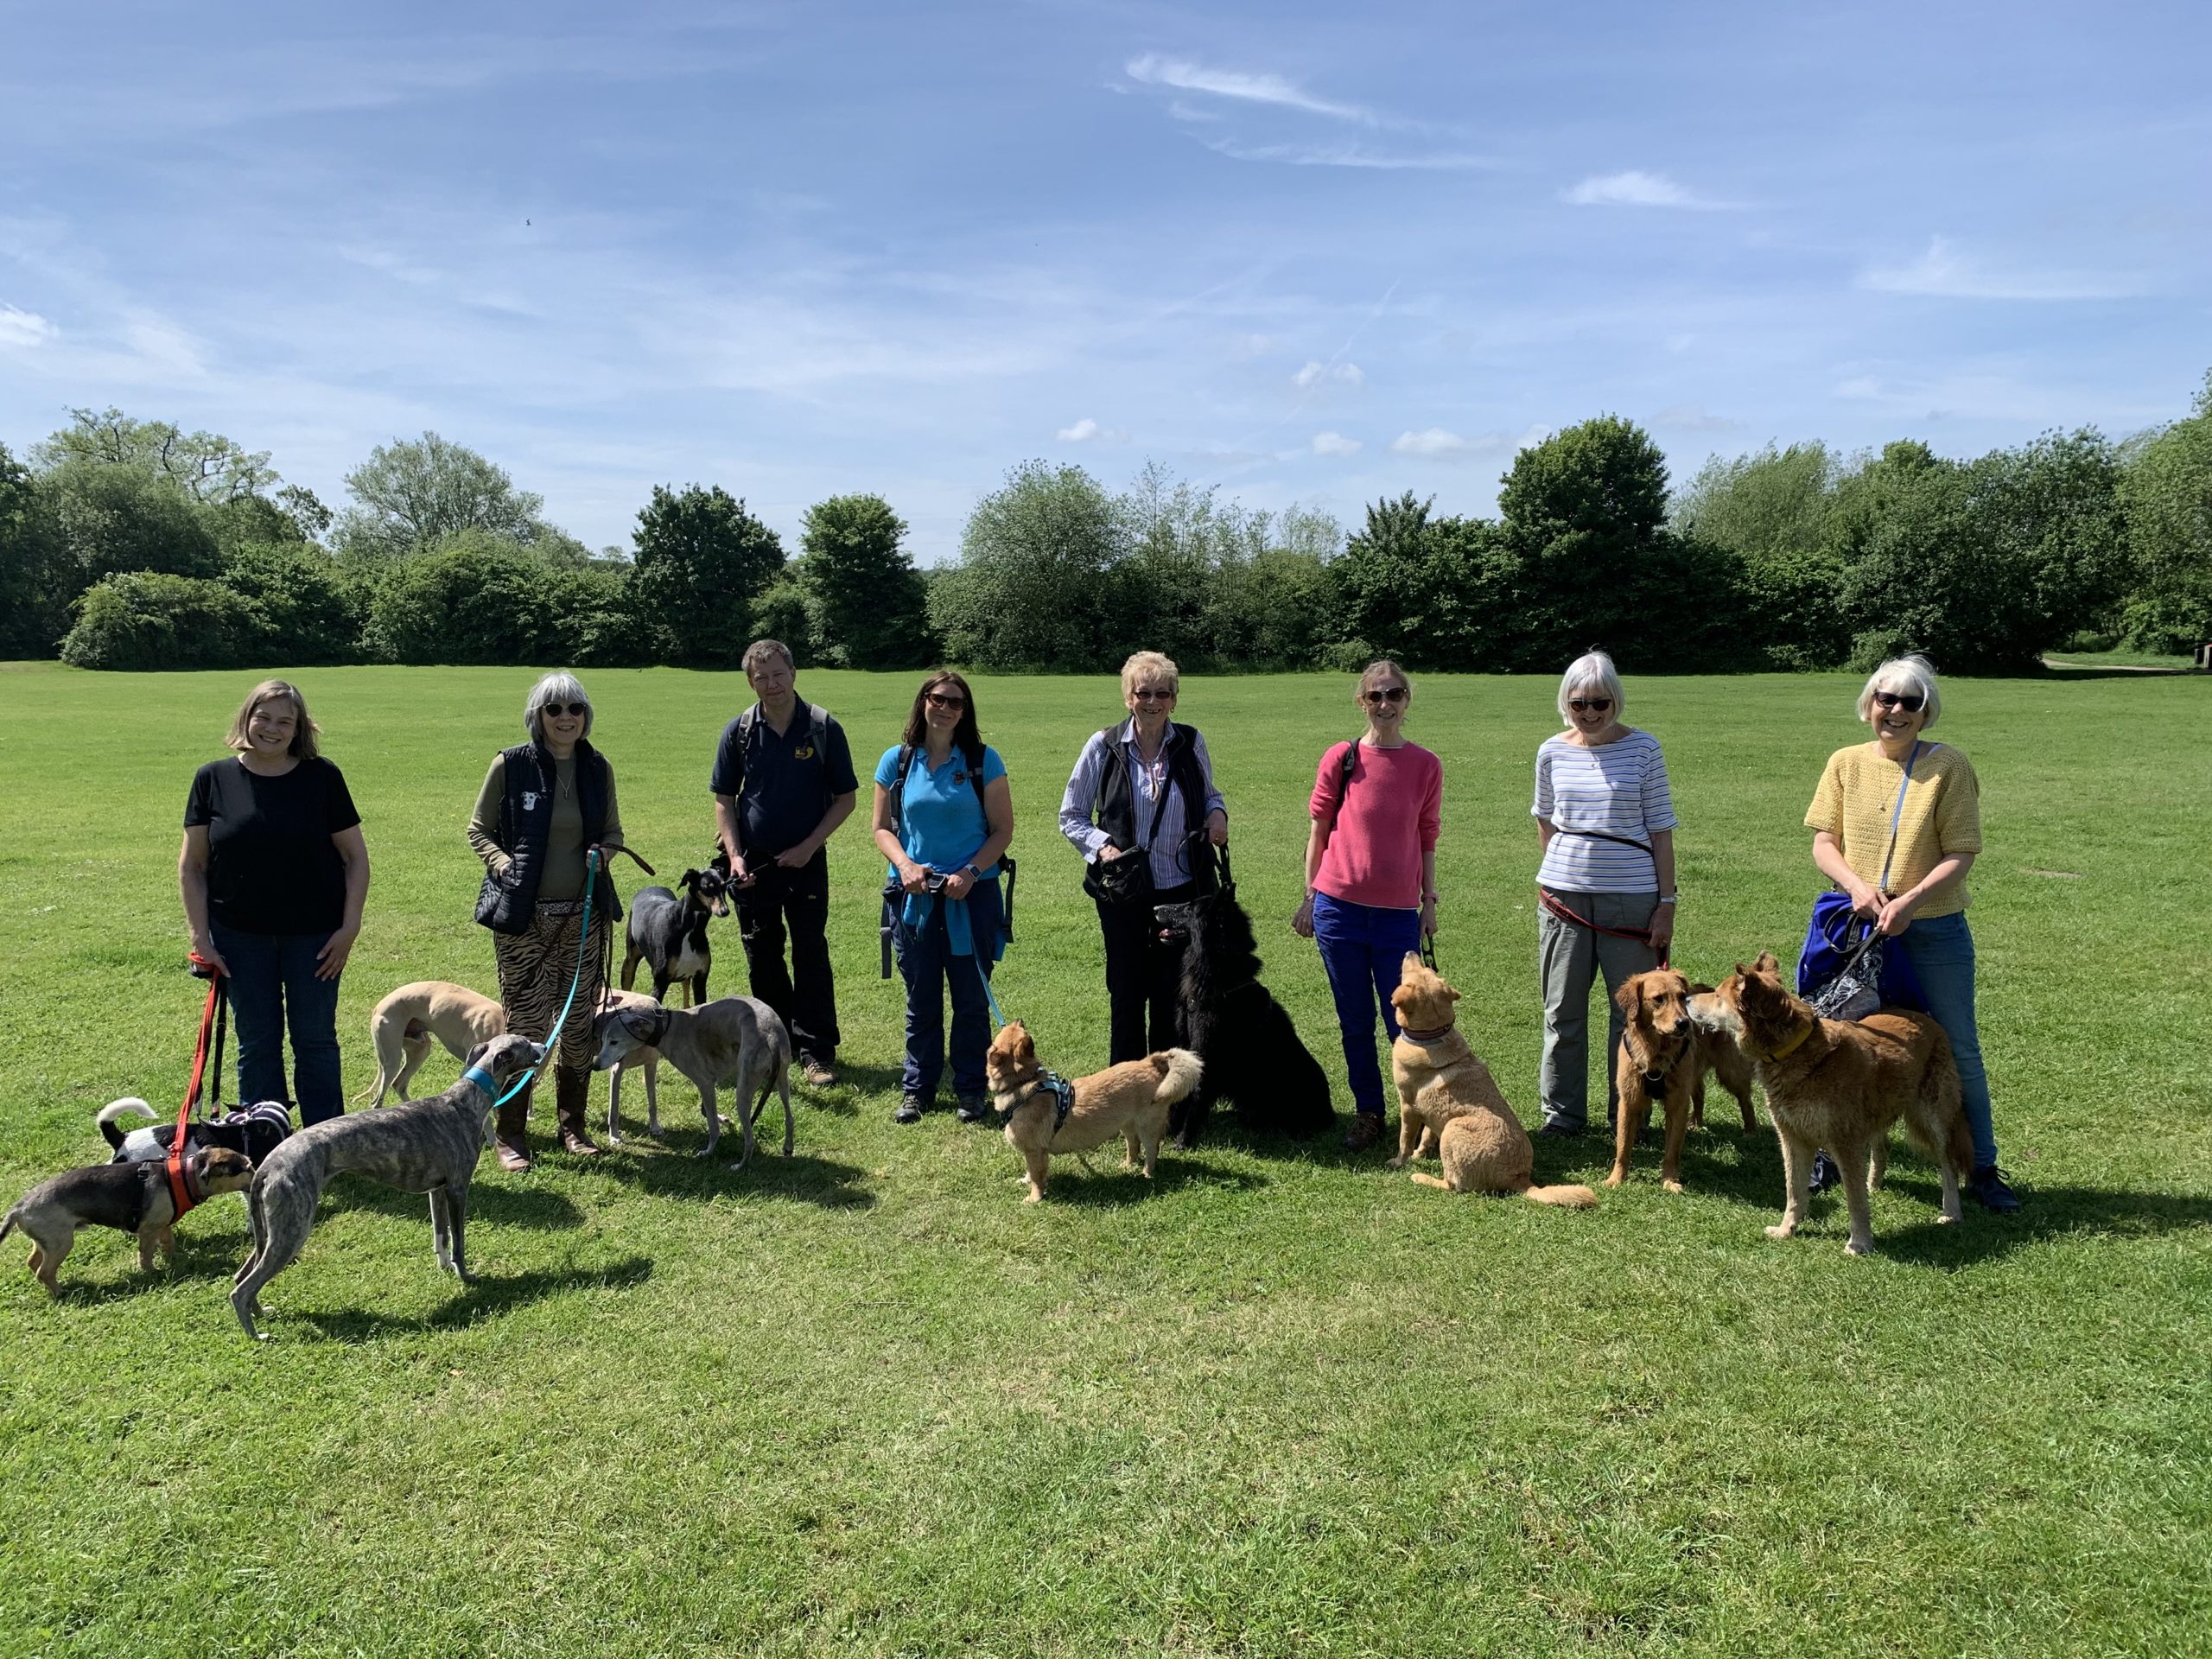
point(1606, 822)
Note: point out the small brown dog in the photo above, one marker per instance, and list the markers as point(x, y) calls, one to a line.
point(132, 1197)
point(1665, 1056)
point(1840, 1084)
point(1448, 1101)
point(1129, 1100)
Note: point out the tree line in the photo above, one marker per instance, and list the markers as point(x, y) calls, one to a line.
point(130, 543)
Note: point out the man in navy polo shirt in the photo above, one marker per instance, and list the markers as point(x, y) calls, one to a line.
point(783, 782)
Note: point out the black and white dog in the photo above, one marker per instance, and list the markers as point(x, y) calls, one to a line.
point(1224, 1014)
point(669, 933)
point(254, 1131)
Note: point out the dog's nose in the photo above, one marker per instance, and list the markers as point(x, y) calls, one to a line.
point(537, 1054)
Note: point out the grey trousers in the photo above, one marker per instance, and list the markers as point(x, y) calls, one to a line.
point(1570, 958)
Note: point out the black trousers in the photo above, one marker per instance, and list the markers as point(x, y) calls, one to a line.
point(792, 905)
point(1142, 976)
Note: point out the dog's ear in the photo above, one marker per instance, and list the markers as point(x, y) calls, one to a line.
point(475, 1056)
point(1766, 963)
point(1629, 998)
point(1449, 991)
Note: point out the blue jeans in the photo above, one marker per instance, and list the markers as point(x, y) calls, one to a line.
point(931, 971)
point(1941, 950)
point(272, 986)
point(1364, 950)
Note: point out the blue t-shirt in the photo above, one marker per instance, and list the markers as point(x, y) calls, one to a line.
point(941, 822)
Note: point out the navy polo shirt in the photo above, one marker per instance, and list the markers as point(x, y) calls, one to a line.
point(782, 782)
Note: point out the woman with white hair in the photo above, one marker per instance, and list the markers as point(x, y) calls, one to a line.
point(544, 804)
point(1605, 888)
point(1913, 808)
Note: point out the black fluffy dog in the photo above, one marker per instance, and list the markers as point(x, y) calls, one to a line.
point(1224, 1014)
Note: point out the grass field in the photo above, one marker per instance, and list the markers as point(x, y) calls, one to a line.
point(1282, 1402)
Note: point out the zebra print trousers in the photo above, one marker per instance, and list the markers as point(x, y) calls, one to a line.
point(535, 968)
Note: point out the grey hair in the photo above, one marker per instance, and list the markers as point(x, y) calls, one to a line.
point(559, 686)
point(1912, 676)
point(1593, 668)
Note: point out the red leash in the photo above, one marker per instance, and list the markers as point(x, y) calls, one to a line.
point(1638, 935)
point(179, 1192)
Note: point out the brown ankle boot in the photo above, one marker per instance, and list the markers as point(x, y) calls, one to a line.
point(571, 1093)
point(508, 1136)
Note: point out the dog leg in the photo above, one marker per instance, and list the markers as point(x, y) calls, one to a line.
point(415, 1051)
point(440, 1228)
point(1697, 1101)
point(1409, 1127)
point(630, 969)
point(1878, 1164)
point(47, 1255)
point(614, 1105)
point(457, 1222)
point(1678, 1123)
point(1428, 1142)
point(1041, 1171)
point(1797, 1181)
point(744, 1122)
point(1134, 1149)
point(714, 1123)
point(1950, 1189)
point(1852, 1161)
point(652, 1097)
point(1628, 1126)
point(1743, 1093)
point(1151, 1145)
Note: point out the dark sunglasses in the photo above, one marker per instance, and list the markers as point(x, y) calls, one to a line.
point(1905, 700)
point(940, 700)
point(1589, 705)
point(1149, 694)
point(558, 709)
point(1387, 694)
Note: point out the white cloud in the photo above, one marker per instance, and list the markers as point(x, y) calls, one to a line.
point(19, 327)
point(1315, 372)
point(1638, 190)
point(1335, 444)
point(1437, 443)
point(1087, 430)
point(1693, 417)
point(1155, 70)
point(1944, 273)
point(1350, 156)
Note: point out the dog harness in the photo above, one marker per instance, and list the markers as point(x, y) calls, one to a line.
point(1062, 1091)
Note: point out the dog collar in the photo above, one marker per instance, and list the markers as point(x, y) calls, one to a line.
point(482, 1079)
point(1425, 1038)
point(1793, 1044)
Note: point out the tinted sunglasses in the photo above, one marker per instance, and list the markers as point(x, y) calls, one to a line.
point(1149, 694)
point(556, 710)
point(1386, 693)
point(943, 700)
point(1905, 700)
point(1589, 705)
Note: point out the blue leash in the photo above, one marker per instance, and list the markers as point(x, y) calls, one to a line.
point(583, 940)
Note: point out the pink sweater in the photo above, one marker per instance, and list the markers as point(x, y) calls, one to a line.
point(1385, 819)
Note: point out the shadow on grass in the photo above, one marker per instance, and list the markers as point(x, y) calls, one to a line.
point(484, 1298)
point(1108, 1184)
point(2045, 1212)
point(801, 1177)
point(507, 1201)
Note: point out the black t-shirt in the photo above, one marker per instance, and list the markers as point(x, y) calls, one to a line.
point(271, 865)
point(782, 785)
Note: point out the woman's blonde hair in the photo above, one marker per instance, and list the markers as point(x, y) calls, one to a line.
point(560, 686)
point(1591, 670)
point(1151, 663)
point(304, 730)
point(1913, 675)
point(1379, 672)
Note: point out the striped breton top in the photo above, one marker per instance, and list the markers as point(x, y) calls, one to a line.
point(1619, 788)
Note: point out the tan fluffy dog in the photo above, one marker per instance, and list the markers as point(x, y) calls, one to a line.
point(1128, 1102)
point(404, 1022)
point(1447, 1101)
point(1840, 1084)
point(1665, 1056)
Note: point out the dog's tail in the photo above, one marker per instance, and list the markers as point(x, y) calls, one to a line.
point(1430, 1180)
point(1567, 1197)
point(7, 1221)
point(130, 1106)
point(1178, 1070)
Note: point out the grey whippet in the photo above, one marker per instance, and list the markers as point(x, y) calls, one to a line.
point(734, 1039)
point(421, 1146)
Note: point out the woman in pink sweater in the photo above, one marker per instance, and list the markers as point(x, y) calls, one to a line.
point(1370, 876)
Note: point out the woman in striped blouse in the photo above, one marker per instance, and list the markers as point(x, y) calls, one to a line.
point(1606, 822)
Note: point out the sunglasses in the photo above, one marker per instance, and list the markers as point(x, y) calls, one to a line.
point(940, 700)
point(1152, 694)
point(1387, 694)
point(558, 709)
point(1905, 700)
point(1589, 705)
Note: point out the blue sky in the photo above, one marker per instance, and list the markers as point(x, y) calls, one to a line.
point(1314, 254)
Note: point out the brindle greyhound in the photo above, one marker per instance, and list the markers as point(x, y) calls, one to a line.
point(734, 1039)
point(422, 1146)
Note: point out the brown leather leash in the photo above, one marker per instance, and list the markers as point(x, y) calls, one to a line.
point(1637, 935)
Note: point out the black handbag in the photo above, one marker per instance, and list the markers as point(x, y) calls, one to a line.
point(1126, 881)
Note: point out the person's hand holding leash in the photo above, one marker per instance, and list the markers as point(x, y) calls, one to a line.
point(203, 947)
point(1662, 926)
point(795, 858)
point(1428, 915)
point(1218, 827)
point(1896, 914)
point(957, 883)
point(913, 878)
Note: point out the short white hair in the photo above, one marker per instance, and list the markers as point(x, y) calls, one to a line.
point(1594, 670)
point(560, 686)
point(1913, 675)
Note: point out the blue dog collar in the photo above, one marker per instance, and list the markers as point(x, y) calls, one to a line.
point(481, 1078)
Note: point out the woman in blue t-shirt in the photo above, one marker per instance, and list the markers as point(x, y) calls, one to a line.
point(946, 824)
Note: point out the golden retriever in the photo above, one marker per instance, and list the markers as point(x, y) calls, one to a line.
point(1448, 1102)
point(1840, 1084)
point(1665, 1057)
point(1129, 1100)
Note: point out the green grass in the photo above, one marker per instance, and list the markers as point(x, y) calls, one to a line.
point(1284, 1402)
point(2119, 659)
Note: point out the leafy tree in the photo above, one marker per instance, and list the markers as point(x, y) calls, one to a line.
point(301, 607)
point(120, 518)
point(1033, 588)
point(1277, 607)
point(36, 574)
point(2167, 493)
point(1382, 580)
point(868, 607)
point(1770, 509)
point(479, 598)
point(145, 620)
point(409, 493)
point(1176, 538)
point(206, 467)
point(701, 561)
point(785, 611)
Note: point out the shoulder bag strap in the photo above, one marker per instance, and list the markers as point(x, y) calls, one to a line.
point(1898, 812)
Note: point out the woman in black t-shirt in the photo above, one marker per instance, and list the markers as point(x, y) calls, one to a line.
point(274, 872)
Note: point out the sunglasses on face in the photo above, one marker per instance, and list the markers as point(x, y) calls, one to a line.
point(1590, 705)
point(1386, 693)
point(558, 709)
point(1904, 700)
point(943, 700)
point(1152, 694)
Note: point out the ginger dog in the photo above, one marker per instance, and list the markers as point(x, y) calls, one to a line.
point(1840, 1084)
point(1665, 1056)
point(1447, 1100)
point(1130, 1101)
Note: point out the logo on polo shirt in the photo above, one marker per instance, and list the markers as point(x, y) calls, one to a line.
point(959, 776)
point(530, 800)
point(805, 753)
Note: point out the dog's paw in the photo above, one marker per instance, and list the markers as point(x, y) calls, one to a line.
point(1671, 1186)
point(1613, 1179)
point(1853, 1247)
point(1399, 1162)
point(1782, 1230)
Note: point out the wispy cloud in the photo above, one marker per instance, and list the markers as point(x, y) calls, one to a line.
point(1438, 444)
point(1087, 430)
point(1639, 189)
point(1943, 272)
point(1154, 69)
point(1316, 371)
point(22, 329)
point(1692, 418)
point(1352, 156)
point(1335, 444)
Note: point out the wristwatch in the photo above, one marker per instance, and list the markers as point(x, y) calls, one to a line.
point(1666, 898)
point(973, 874)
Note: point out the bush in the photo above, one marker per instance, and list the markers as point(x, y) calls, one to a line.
point(482, 599)
point(145, 620)
point(301, 608)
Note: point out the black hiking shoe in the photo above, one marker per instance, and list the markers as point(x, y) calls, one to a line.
point(910, 1109)
point(1825, 1173)
point(1991, 1190)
